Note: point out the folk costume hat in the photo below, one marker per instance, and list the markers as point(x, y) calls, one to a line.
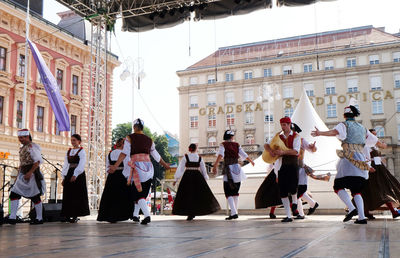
point(285, 119)
point(23, 132)
point(138, 122)
point(351, 109)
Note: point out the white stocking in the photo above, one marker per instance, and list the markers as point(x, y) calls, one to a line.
point(232, 206)
point(39, 211)
point(300, 207)
point(308, 199)
point(136, 210)
point(346, 199)
point(360, 206)
point(13, 209)
point(286, 204)
point(143, 206)
point(236, 200)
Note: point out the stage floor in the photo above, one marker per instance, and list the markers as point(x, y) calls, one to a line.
point(210, 236)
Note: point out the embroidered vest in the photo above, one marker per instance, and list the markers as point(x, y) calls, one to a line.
point(289, 140)
point(231, 150)
point(140, 143)
point(25, 158)
point(356, 133)
point(74, 159)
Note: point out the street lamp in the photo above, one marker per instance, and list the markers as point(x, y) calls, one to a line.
point(271, 93)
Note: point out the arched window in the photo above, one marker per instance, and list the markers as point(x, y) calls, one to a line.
point(212, 141)
point(380, 131)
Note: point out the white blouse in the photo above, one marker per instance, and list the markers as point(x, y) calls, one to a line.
point(81, 165)
point(194, 157)
point(36, 153)
point(221, 151)
point(114, 155)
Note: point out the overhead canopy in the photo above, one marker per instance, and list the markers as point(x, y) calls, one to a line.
point(143, 15)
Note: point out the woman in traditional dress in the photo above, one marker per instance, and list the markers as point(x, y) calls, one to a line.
point(75, 197)
point(230, 151)
point(194, 196)
point(268, 193)
point(382, 187)
point(116, 202)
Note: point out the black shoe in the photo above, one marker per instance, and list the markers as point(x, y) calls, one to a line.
point(395, 215)
point(136, 219)
point(12, 221)
point(272, 216)
point(190, 218)
point(73, 220)
point(232, 217)
point(286, 220)
point(350, 215)
point(299, 217)
point(312, 210)
point(36, 222)
point(360, 221)
point(294, 209)
point(370, 216)
point(145, 221)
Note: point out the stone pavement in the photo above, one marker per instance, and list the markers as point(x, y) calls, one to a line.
point(209, 236)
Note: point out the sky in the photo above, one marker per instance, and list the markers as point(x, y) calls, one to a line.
point(165, 51)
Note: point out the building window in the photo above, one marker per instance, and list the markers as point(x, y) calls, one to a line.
point(268, 117)
point(267, 72)
point(397, 80)
point(20, 107)
point(248, 95)
point(193, 101)
point(229, 77)
point(230, 119)
point(352, 85)
point(21, 65)
point(373, 59)
point(3, 58)
point(75, 84)
point(210, 79)
point(287, 92)
point(193, 80)
point(375, 83)
point(288, 112)
point(329, 65)
point(307, 68)
point(309, 89)
point(331, 110)
point(194, 140)
point(377, 107)
point(330, 88)
point(380, 131)
point(351, 62)
point(249, 118)
point(56, 128)
point(287, 69)
point(212, 121)
point(40, 119)
point(396, 57)
point(73, 124)
point(1, 108)
point(249, 139)
point(229, 98)
point(248, 75)
point(211, 99)
point(60, 75)
point(194, 121)
point(212, 141)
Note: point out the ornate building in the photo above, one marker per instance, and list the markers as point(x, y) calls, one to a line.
point(249, 87)
point(67, 54)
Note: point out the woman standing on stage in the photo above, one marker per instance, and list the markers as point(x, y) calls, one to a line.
point(75, 197)
point(116, 202)
point(194, 197)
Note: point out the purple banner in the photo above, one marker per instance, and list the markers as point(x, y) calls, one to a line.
point(52, 90)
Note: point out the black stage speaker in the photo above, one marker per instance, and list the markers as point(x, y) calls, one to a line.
point(51, 212)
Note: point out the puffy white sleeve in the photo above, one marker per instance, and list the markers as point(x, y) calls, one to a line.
point(243, 155)
point(65, 168)
point(127, 148)
point(81, 165)
point(297, 143)
point(305, 145)
point(203, 169)
point(36, 153)
point(107, 161)
point(371, 139)
point(221, 150)
point(154, 153)
point(181, 169)
point(341, 128)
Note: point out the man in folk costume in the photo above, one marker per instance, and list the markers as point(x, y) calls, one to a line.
point(140, 169)
point(287, 166)
point(30, 182)
point(230, 151)
point(352, 168)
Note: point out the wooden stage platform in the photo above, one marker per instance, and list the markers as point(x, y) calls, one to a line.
point(209, 236)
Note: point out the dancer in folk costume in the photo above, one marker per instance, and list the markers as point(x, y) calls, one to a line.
point(139, 147)
point(194, 196)
point(352, 168)
point(382, 187)
point(30, 182)
point(75, 196)
point(116, 202)
point(230, 151)
point(268, 193)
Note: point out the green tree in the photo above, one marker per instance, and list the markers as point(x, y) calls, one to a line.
point(121, 131)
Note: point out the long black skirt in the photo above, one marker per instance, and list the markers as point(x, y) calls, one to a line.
point(116, 202)
point(75, 201)
point(381, 187)
point(194, 196)
point(268, 193)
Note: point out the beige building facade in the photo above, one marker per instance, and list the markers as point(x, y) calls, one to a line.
point(249, 87)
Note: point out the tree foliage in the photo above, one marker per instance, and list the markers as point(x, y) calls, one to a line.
point(121, 131)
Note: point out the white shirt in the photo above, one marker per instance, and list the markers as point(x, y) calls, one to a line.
point(81, 165)
point(303, 180)
point(36, 153)
point(194, 157)
point(114, 155)
point(242, 154)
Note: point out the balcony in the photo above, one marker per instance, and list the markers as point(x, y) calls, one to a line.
point(208, 150)
point(249, 148)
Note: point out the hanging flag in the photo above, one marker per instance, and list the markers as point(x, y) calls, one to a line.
point(52, 90)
